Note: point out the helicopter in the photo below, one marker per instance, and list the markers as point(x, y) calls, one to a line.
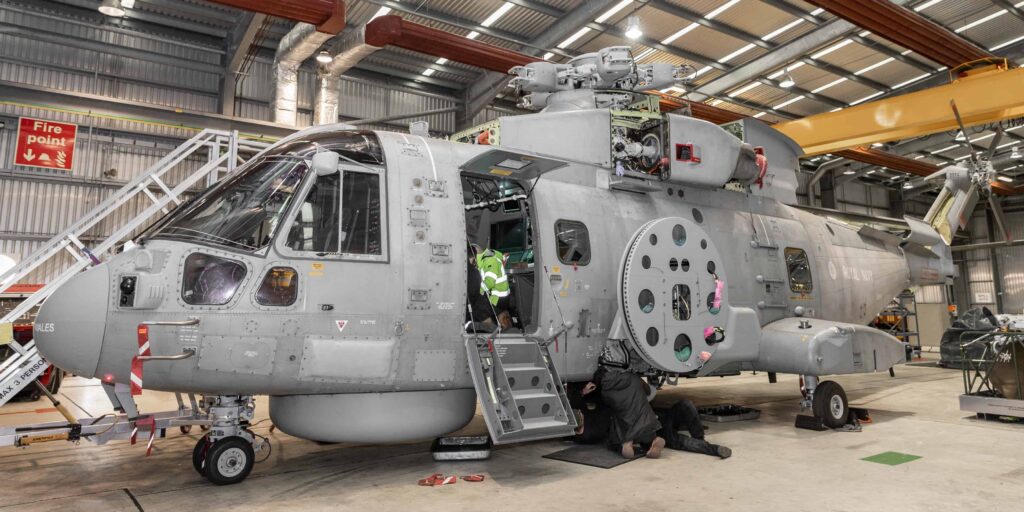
point(330, 272)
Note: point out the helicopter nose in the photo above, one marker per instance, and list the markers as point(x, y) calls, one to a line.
point(71, 322)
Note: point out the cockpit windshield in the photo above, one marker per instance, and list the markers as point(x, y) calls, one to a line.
point(244, 211)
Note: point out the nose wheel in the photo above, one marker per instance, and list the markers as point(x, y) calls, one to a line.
point(227, 454)
point(229, 460)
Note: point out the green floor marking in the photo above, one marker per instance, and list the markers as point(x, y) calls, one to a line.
point(891, 458)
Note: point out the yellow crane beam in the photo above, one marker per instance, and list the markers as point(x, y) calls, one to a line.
point(983, 95)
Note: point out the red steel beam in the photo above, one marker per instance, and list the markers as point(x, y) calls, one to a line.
point(327, 15)
point(906, 28)
point(393, 30)
point(911, 166)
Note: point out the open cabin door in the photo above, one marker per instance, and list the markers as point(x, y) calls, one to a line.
point(520, 393)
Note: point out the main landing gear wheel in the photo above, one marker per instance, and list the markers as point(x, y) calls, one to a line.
point(199, 454)
point(229, 460)
point(830, 404)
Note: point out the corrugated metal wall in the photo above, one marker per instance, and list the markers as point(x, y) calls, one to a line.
point(981, 289)
point(1011, 266)
point(42, 51)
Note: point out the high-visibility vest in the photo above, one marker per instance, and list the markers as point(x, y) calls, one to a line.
point(493, 280)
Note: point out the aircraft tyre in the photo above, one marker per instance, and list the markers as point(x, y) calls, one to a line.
point(229, 460)
point(830, 404)
point(199, 454)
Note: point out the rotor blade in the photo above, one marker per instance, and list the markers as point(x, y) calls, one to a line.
point(995, 143)
point(997, 213)
point(967, 140)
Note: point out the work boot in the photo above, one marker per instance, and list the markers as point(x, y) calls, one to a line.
point(722, 451)
point(627, 450)
point(656, 447)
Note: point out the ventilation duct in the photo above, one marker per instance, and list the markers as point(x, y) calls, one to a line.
point(351, 50)
point(296, 46)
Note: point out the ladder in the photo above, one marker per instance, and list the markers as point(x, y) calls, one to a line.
point(520, 393)
point(223, 152)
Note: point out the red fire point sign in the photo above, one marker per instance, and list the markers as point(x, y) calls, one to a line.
point(46, 144)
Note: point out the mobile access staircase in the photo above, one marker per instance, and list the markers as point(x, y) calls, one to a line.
point(224, 151)
point(521, 395)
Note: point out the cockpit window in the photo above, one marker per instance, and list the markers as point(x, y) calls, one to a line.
point(341, 215)
point(210, 280)
point(799, 268)
point(244, 212)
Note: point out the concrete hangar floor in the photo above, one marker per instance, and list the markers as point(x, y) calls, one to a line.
point(965, 462)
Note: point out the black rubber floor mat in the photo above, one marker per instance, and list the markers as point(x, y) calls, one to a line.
point(596, 455)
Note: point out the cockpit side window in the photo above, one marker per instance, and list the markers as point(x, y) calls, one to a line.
point(799, 268)
point(342, 214)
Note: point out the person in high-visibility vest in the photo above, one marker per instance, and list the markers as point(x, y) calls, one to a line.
point(494, 283)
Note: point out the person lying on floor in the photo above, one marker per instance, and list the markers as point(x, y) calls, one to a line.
point(624, 415)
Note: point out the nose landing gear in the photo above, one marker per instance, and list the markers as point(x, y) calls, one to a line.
point(226, 455)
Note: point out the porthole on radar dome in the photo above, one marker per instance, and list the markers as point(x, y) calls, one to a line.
point(679, 235)
point(652, 336)
point(646, 301)
point(682, 347)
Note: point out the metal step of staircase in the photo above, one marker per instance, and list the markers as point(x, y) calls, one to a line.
point(520, 393)
point(223, 152)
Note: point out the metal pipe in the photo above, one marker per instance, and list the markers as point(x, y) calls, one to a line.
point(987, 245)
point(351, 50)
point(296, 46)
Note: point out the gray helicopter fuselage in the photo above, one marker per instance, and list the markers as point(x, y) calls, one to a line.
point(387, 328)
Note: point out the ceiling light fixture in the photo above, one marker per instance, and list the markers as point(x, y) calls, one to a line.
point(633, 30)
point(787, 82)
point(112, 8)
point(908, 185)
point(1006, 179)
point(1015, 154)
point(323, 57)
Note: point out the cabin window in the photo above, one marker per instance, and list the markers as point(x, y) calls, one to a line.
point(342, 214)
point(572, 242)
point(799, 269)
point(280, 287)
point(210, 280)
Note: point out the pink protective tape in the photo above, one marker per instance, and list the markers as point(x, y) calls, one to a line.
point(709, 332)
point(717, 303)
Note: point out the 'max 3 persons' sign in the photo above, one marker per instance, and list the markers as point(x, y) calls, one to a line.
point(45, 144)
